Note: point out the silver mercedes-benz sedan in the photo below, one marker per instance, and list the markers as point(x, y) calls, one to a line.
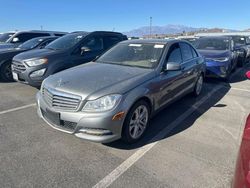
point(116, 95)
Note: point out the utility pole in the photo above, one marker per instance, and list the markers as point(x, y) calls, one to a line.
point(150, 27)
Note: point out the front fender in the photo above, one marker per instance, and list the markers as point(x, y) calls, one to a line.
point(135, 95)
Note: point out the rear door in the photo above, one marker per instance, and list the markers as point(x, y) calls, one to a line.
point(189, 65)
point(96, 46)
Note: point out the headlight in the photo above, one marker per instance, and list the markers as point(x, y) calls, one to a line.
point(102, 104)
point(222, 59)
point(36, 62)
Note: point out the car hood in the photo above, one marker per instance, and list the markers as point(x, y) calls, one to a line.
point(6, 45)
point(93, 80)
point(37, 53)
point(8, 54)
point(214, 53)
point(11, 50)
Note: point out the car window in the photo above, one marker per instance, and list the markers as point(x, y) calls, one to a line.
point(174, 54)
point(45, 43)
point(111, 41)
point(23, 37)
point(186, 52)
point(94, 43)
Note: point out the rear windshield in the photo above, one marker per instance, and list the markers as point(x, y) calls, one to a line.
point(66, 41)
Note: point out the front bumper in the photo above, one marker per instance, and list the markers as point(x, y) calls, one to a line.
point(96, 127)
point(217, 69)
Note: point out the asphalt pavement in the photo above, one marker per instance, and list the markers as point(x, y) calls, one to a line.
point(192, 143)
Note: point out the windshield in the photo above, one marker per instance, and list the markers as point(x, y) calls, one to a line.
point(66, 42)
point(30, 44)
point(212, 44)
point(5, 36)
point(135, 55)
point(239, 41)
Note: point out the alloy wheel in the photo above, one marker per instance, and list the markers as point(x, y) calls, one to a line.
point(138, 121)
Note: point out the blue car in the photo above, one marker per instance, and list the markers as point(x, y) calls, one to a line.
point(220, 55)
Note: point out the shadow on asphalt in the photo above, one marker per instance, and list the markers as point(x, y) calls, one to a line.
point(172, 112)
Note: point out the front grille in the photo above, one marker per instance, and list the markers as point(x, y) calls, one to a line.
point(18, 67)
point(61, 100)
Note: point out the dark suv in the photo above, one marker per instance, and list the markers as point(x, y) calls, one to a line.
point(242, 45)
point(23, 36)
point(68, 51)
point(6, 55)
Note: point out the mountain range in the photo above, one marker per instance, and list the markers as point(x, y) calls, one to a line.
point(167, 29)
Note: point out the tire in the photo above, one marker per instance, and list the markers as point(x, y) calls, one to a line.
point(243, 61)
point(198, 86)
point(6, 73)
point(133, 128)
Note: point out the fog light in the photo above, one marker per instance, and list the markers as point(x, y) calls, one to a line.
point(97, 132)
point(38, 73)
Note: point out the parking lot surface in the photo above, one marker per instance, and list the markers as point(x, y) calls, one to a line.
point(192, 143)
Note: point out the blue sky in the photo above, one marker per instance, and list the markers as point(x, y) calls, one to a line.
point(121, 15)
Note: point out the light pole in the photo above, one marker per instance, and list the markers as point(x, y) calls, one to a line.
point(150, 27)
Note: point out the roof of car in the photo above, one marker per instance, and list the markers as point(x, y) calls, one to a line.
point(107, 32)
point(216, 37)
point(153, 41)
point(47, 37)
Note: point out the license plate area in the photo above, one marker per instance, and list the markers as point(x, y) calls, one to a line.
point(15, 76)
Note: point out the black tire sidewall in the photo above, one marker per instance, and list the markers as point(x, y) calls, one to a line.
point(125, 131)
point(2, 72)
point(194, 92)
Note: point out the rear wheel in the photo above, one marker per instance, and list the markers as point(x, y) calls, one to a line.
point(136, 122)
point(198, 86)
point(6, 73)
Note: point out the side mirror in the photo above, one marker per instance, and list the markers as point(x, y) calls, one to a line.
point(172, 66)
point(85, 49)
point(16, 39)
point(248, 74)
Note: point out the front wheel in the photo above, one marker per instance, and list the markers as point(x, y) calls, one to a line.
point(136, 122)
point(6, 73)
point(198, 86)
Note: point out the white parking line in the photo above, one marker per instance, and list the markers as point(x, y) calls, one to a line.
point(116, 173)
point(18, 108)
point(239, 89)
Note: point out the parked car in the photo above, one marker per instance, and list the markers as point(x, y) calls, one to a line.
point(68, 51)
point(191, 39)
point(6, 55)
point(242, 172)
point(5, 36)
point(115, 96)
point(242, 45)
point(22, 36)
point(220, 55)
